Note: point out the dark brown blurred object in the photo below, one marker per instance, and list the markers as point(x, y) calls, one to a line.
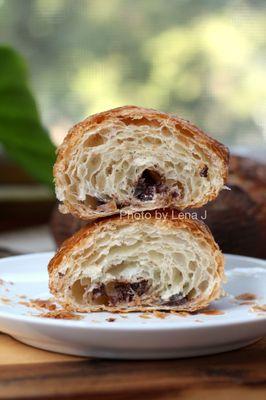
point(23, 202)
point(249, 175)
point(24, 214)
point(64, 225)
point(237, 218)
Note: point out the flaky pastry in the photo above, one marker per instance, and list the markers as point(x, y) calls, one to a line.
point(131, 159)
point(128, 264)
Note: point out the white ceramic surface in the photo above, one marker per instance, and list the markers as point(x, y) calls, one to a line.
point(132, 337)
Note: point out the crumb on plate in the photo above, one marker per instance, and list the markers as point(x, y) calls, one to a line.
point(145, 316)
point(160, 314)
point(258, 308)
point(211, 312)
point(246, 296)
point(5, 300)
point(39, 304)
point(179, 313)
point(60, 314)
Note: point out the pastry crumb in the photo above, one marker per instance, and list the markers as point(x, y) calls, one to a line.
point(110, 319)
point(246, 297)
point(145, 316)
point(60, 314)
point(258, 308)
point(5, 300)
point(160, 314)
point(180, 313)
point(39, 304)
point(246, 303)
point(211, 312)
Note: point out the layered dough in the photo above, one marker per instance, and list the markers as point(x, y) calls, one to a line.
point(122, 263)
point(131, 159)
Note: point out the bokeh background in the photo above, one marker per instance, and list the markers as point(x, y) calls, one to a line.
point(202, 59)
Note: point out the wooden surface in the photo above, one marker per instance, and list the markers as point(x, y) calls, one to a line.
point(28, 373)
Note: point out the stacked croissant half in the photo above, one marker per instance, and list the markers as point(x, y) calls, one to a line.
point(125, 171)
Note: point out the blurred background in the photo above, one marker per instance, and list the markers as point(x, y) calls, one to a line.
point(61, 60)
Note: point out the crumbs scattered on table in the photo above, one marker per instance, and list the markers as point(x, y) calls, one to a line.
point(60, 314)
point(110, 319)
point(198, 320)
point(246, 297)
point(246, 303)
point(22, 296)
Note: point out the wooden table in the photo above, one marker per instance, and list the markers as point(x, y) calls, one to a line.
point(28, 373)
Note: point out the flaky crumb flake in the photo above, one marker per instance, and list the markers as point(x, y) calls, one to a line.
point(246, 297)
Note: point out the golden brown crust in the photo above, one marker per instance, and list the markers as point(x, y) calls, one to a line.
point(188, 130)
point(197, 228)
point(186, 127)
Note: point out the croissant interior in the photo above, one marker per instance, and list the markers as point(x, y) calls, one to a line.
point(132, 163)
point(130, 265)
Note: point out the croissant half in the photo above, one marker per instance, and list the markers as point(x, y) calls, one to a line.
point(124, 263)
point(132, 159)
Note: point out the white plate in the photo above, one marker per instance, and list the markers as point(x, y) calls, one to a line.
point(132, 337)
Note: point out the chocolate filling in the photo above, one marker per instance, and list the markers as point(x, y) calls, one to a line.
point(149, 183)
point(204, 171)
point(175, 300)
point(98, 291)
point(119, 292)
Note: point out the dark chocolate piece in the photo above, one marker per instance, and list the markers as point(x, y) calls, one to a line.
point(204, 171)
point(123, 292)
point(148, 184)
point(140, 287)
point(175, 194)
point(175, 300)
point(98, 291)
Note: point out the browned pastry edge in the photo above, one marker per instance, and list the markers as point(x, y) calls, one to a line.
point(197, 228)
point(188, 130)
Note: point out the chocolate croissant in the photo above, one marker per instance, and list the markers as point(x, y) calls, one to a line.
point(158, 262)
point(134, 159)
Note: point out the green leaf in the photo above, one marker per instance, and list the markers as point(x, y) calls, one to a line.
point(21, 132)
